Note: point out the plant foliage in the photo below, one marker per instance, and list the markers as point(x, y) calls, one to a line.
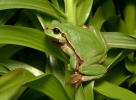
point(33, 68)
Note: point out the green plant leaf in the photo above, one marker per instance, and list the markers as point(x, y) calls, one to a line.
point(36, 59)
point(132, 80)
point(113, 91)
point(83, 10)
point(40, 5)
point(55, 3)
point(4, 51)
point(79, 93)
point(5, 15)
point(11, 82)
point(88, 91)
point(117, 25)
point(69, 88)
point(115, 55)
point(23, 19)
point(106, 10)
point(131, 65)
point(49, 85)
point(30, 38)
point(32, 94)
point(61, 5)
point(12, 65)
point(117, 74)
point(46, 84)
point(119, 40)
point(32, 14)
point(56, 68)
point(129, 15)
point(3, 69)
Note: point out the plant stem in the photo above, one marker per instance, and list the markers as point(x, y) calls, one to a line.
point(70, 10)
point(130, 16)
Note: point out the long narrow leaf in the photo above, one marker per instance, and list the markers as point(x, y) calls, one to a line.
point(5, 15)
point(88, 91)
point(79, 93)
point(83, 10)
point(4, 51)
point(119, 40)
point(106, 10)
point(12, 65)
point(50, 86)
point(114, 91)
point(40, 5)
point(30, 38)
point(10, 83)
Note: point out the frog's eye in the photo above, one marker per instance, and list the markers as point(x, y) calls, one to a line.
point(56, 31)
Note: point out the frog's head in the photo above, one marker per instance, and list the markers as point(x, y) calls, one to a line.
point(55, 34)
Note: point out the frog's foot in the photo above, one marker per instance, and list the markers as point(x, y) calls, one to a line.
point(76, 78)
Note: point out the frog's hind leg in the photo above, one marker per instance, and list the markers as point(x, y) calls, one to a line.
point(89, 70)
point(93, 66)
point(78, 78)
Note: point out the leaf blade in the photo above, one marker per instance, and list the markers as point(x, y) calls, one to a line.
point(49, 85)
point(30, 38)
point(109, 89)
point(119, 40)
point(41, 5)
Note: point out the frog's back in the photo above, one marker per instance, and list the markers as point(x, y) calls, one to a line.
point(84, 41)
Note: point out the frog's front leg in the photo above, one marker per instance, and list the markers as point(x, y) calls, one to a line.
point(73, 60)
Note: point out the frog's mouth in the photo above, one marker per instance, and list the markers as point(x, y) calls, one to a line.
point(55, 41)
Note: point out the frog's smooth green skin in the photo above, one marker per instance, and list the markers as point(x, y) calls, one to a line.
point(85, 47)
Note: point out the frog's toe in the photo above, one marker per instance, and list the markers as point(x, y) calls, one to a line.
point(76, 78)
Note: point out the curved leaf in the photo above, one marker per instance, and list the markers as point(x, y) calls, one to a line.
point(5, 15)
point(40, 5)
point(32, 16)
point(129, 15)
point(119, 40)
point(83, 10)
point(55, 67)
point(30, 38)
point(32, 94)
point(103, 12)
point(46, 84)
point(4, 51)
point(11, 82)
point(12, 65)
point(3, 69)
point(113, 91)
point(49, 85)
point(79, 93)
point(88, 91)
point(117, 75)
point(116, 55)
point(117, 25)
point(131, 65)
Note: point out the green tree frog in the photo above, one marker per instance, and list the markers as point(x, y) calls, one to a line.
point(86, 48)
